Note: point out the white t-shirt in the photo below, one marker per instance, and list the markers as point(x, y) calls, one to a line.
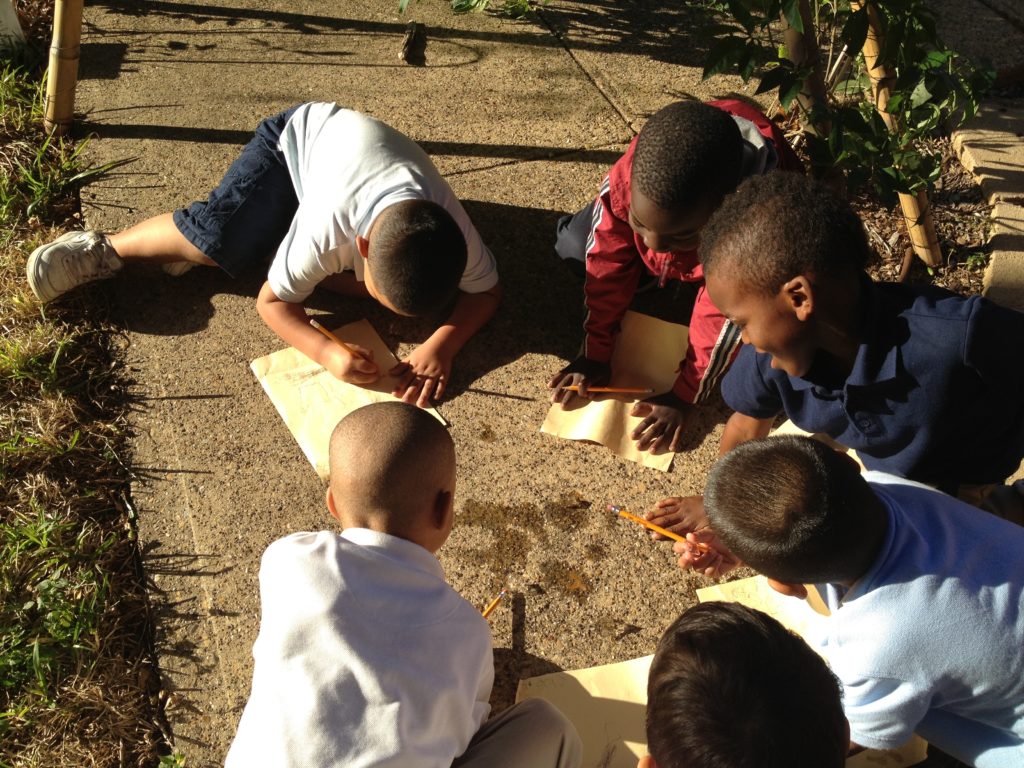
point(931, 638)
point(365, 657)
point(346, 168)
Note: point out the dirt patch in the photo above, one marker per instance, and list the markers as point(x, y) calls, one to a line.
point(963, 219)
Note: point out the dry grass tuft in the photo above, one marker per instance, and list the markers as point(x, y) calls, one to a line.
point(78, 680)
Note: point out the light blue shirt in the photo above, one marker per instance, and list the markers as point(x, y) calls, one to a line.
point(931, 638)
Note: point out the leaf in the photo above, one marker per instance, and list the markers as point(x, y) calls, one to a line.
point(934, 59)
point(773, 78)
point(920, 95)
point(860, 84)
point(855, 31)
point(723, 55)
point(741, 14)
point(791, 10)
point(747, 63)
point(931, 118)
point(790, 91)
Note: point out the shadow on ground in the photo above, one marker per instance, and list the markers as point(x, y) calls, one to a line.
point(542, 310)
point(669, 32)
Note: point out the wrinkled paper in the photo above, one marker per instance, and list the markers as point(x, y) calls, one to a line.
point(608, 704)
point(312, 401)
point(647, 354)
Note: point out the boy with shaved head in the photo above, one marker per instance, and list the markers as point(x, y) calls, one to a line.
point(366, 656)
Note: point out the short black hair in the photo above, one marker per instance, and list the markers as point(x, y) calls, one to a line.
point(385, 458)
point(795, 510)
point(687, 153)
point(730, 687)
point(417, 256)
point(780, 226)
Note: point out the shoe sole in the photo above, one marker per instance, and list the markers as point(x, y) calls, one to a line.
point(33, 280)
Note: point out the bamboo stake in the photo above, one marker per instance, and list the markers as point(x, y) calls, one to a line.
point(62, 78)
point(917, 214)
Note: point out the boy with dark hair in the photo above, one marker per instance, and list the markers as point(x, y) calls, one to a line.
point(730, 687)
point(922, 383)
point(365, 655)
point(926, 595)
point(404, 259)
point(647, 221)
point(337, 198)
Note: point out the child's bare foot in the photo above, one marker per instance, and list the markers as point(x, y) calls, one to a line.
point(679, 514)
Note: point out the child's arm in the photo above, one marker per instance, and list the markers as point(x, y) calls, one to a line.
point(613, 268)
point(424, 373)
point(685, 515)
point(291, 323)
point(740, 428)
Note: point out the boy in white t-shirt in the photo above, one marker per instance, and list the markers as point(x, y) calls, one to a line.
point(337, 198)
point(366, 655)
point(926, 594)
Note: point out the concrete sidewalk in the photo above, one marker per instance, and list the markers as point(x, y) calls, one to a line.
point(524, 118)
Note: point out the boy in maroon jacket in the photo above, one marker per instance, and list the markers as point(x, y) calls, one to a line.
point(647, 221)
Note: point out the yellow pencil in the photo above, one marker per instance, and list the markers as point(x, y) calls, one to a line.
point(355, 353)
point(656, 528)
point(494, 604)
point(617, 390)
point(335, 339)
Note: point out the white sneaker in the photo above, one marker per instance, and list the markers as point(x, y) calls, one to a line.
point(70, 261)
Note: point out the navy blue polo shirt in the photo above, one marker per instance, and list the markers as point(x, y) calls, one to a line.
point(936, 393)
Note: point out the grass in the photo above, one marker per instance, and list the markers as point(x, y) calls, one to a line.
point(78, 683)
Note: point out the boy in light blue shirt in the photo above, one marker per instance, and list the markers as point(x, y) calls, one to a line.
point(926, 595)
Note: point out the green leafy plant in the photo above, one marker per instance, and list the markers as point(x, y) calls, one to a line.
point(515, 9)
point(38, 172)
point(932, 88)
point(976, 261)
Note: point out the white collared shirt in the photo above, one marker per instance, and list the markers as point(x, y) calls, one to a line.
point(366, 656)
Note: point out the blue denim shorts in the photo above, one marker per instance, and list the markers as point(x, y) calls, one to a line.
point(248, 215)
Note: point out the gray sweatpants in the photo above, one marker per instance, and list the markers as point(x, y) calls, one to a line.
point(531, 734)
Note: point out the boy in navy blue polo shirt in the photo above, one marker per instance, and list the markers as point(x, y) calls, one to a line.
point(922, 383)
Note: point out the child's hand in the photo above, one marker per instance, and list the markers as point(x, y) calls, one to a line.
point(714, 562)
point(350, 368)
point(581, 372)
point(665, 419)
point(678, 514)
point(423, 375)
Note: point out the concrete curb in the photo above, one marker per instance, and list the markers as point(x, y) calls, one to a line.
point(991, 148)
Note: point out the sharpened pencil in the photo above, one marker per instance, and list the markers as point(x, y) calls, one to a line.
point(615, 390)
point(494, 604)
point(656, 528)
point(333, 337)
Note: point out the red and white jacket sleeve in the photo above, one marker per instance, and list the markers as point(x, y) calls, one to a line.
point(614, 265)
